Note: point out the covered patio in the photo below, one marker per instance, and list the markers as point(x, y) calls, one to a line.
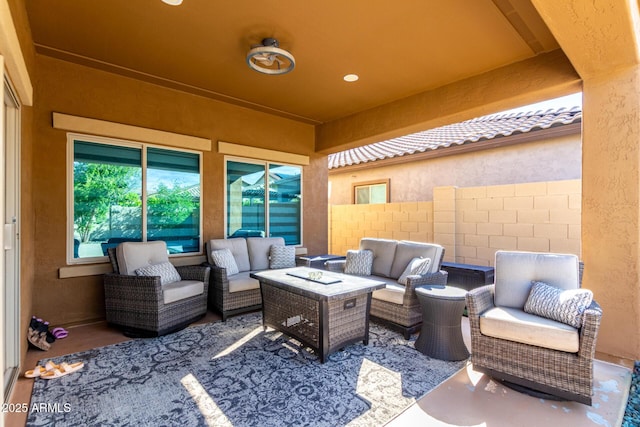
point(177, 77)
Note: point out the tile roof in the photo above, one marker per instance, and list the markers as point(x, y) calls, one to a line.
point(471, 131)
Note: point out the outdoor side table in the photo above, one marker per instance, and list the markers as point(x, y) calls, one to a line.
point(441, 335)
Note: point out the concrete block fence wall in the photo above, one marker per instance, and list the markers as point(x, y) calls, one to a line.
point(472, 223)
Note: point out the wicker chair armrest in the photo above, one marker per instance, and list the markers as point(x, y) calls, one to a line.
point(439, 278)
point(218, 277)
point(337, 266)
point(410, 298)
point(479, 300)
point(194, 272)
point(124, 287)
point(589, 331)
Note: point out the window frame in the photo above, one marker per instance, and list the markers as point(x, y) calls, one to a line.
point(266, 164)
point(71, 138)
point(356, 185)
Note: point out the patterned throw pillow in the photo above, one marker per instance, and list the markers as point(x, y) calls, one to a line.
point(359, 262)
point(417, 266)
point(166, 271)
point(223, 258)
point(564, 306)
point(281, 256)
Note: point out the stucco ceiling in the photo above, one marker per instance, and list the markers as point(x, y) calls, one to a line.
point(398, 49)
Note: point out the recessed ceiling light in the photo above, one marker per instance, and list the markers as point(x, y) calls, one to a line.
point(173, 2)
point(351, 78)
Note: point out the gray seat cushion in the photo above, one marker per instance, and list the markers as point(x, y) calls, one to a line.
point(242, 282)
point(177, 291)
point(516, 270)
point(516, 325)
point(392, 292)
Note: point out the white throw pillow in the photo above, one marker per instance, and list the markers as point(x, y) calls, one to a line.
point(281, 256)
point(417, 266)
point(359, 262)
point(564, 306)
point(223, 258)
point(166, 271)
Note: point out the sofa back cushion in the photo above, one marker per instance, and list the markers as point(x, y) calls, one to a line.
point(515, 272)
point(134, 255)
point(407, 251)
point(237, 246)
point(259, 248)
point(383, 253)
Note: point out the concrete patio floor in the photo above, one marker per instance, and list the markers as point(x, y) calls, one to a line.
point(470, 398)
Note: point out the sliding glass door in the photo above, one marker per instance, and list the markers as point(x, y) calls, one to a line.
point(11, 261)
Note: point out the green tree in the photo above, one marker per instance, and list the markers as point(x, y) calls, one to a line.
point(168, 207)
point(96, 188)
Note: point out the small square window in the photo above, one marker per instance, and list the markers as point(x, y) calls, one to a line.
point(371, 193)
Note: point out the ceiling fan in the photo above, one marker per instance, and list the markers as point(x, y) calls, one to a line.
point(268, 58)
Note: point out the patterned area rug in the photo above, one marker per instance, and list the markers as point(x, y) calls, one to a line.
point(236, 374)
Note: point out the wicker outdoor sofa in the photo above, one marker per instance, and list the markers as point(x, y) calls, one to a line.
point(397, 305)
point(529, 361)
point(143, 306)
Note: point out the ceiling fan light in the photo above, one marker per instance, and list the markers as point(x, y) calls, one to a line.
point(268, 58)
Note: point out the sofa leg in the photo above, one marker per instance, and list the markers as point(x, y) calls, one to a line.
point(406, 331)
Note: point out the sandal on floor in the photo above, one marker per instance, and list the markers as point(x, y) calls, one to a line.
point(49, 366)
point(72, 367)
point(62, 370)
point(35, 372)
point(39, 370)
point(60, 333)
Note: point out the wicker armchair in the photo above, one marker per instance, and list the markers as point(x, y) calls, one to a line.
point(397, 306)
point(140, 305)
point(533, 368)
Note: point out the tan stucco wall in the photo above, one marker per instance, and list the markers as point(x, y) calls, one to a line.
point(611, 206)
point(472, 223)
point(72, 89)
point(552, 159)
point(601, 39)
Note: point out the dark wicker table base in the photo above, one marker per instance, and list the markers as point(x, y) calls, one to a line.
point(323, 325)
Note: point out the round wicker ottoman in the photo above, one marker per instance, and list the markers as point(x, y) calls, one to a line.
point(441, 336)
